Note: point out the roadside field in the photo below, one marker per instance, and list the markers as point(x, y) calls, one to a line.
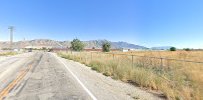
point(178, 75)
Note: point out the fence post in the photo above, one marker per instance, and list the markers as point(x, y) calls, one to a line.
point(132, 61)
point(161, 62)
point(80, 56)
point(85, 57)
point(91, 56)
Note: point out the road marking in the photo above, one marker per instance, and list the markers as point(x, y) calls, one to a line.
point(6, 90)
point(84, 87)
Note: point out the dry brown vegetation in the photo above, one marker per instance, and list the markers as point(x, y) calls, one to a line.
point(177, 80)
point(7, 53)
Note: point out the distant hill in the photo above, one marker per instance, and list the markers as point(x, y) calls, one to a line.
point(115, 45)
point(127, 45)
point(161, 48)
point(65, 44)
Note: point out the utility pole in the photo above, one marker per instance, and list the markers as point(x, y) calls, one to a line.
point(11, 28)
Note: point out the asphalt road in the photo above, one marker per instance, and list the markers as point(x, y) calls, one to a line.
point(44, 76)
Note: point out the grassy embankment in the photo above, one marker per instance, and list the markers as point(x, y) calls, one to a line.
point(177, 80)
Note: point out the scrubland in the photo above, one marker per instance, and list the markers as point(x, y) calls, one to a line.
point(166, 72)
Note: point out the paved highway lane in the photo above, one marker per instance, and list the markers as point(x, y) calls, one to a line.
point(44, 76)
point(47, 79)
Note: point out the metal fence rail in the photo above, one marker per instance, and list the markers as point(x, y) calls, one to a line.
point(133, 57)
point(158, 64)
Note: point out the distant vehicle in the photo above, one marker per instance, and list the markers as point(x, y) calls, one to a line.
point(50, 50)
point(16, 50)
point(30, 50)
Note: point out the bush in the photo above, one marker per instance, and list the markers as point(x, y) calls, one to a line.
point(172, 49)
point(77, 45)
point(106, 47)
point(187, 49)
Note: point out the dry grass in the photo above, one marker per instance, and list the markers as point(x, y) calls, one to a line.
point(7, 53)
point(177, 80)
point(183, 55)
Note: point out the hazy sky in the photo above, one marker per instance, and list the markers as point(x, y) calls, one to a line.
point(144, 22)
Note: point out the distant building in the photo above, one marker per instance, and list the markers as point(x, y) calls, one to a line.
point(92, 49)
point(60, 49)
point(127, 49)
point(124, 50)
point(16, 50)
point(38, 47)
point(98, 49)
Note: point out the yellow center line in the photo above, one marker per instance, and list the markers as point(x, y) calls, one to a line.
point(6, 90)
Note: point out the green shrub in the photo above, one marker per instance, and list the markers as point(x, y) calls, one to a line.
point(173, 49)
point(77, 45)
point(106, 47)
point(187, 49)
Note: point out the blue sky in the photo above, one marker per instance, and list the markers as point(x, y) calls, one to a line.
point(144, 22)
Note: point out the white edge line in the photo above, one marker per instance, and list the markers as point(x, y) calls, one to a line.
point(85, 88)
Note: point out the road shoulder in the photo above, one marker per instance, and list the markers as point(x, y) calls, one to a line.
point(105, 87)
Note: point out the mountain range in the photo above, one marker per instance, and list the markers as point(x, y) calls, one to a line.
point(65, 44)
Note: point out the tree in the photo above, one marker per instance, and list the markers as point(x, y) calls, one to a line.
point(187, 49)
point(172, 49)
point(77, 45)
point(106, 47)
point(44, 48)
